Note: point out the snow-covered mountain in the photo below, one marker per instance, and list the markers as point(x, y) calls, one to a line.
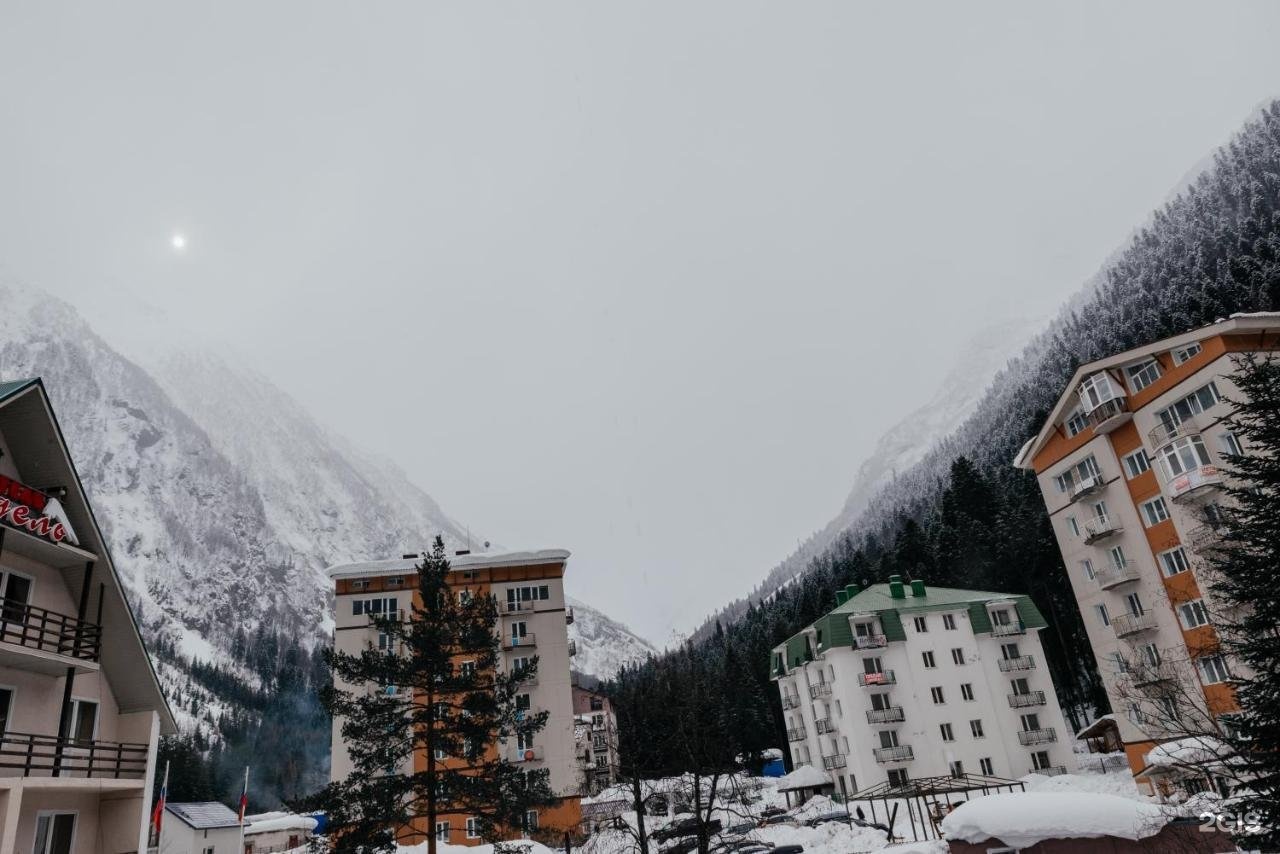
point(604, 644)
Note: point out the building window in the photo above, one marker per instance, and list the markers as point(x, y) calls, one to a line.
point(464, 597)
point(1103, 616)
point(1118, 560)
point(1150, 654)
point(1087, 564)
point(975, 727)
point(442, 831)
point(1183, 455)
point(947, 734)
point(936, 691)
point(921, 624)
point(949, 622)
point(473, 828)
point(379, 605)
point(1213, 669)
point(1073, 526)
point(531, 820)
point(1143, 374)
point(966, 691)
point(1040, 760)
point(1229, 444)
point(1154, 511)
point(1193, 614)
point(1076, 422)
point(54, 832)
point(1174, 561)
point(927, 655)
point(84, 720)
point(1193, 404)
point(957, 655)
point(986, 766)
point(1185, 352)
point(1134, 601)
point(898, 777)
point(468, 668)
point(1136, 463)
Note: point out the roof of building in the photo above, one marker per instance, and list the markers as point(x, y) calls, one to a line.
point(14, 386)
point(1236, 323)
point(1098, 727)
point(804, 777)
point(479, 560)
point(204, 815)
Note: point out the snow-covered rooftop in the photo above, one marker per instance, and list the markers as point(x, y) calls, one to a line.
point(204, 815)
point(1194, 750)
point(1097, 727)
point(1023, 819)
point(270, 821)
point(804, 777)
point(479, 560)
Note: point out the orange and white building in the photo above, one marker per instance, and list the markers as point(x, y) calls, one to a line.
point(1130, 465)
point(532, 617)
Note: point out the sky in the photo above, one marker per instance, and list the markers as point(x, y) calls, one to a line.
point(643, 281)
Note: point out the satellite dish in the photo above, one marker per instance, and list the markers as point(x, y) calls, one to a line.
point(528, 755)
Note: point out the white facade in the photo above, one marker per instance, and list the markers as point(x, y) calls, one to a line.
point(942, 699)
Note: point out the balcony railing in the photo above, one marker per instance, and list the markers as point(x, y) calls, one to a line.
point(870, 680)
point(822, 725)
point(1050, 771)
point(1087, 486)
point(1189, 482)
point(1162, 434)
point(1100, 527)
point(520, 642)
point(822, 689)
point(1130, 624)
point(568, 616)
point(1109, 415)
point(1005, 629)
point(1148, 675)
point(48, 631)
point(891, 715)
point(1029, 737)
point(50, 756)
point(790, 701)
point(1030, 698)
point(796, 733)
point(1021, 662)
point(1116, 574)
point(898, 753)
point(835, 760)
point(573, 647)
point(869, 641)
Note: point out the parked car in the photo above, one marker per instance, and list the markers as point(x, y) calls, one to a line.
point(684, 845)
point(772, 811)
point(742, 846)
point(684, 827)
point(787, 849)
point(827, 817)
point(739, 829)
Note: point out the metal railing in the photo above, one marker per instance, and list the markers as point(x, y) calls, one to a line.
point(790, 701)
point(1099, 527)
point(1144, 675)
point(1086, 486)
point(530, 639)
point(891, 715)
point(883, 677)
point(1050, 771)
point(898, 753)
point(48, 631)
point(1162, 434)
point(568, 616)
point(1029, 737)
point(1006, 629)
point(1130, 624)
point(835, 760)
point(1107, 410)
point(869, 641)
point(1116, 574)
point(822, 689)
point(1020, 662)
point(519, 607)
point(1030, 698)
point(822, 725)
point(796, 733)
point(43, 755)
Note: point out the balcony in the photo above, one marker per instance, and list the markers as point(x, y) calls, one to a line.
point(568, 616)
point(1029, 737)
point(1099, 528)
point(1023, 701)
point(999, 630)
point(870, 680)
point(529, 640)
point(1130, 624)
point(1116, 574)
point(1087, 486)
point(49, 756)
point(1109, 415)
point(1190, 483)
point(835, 760)
point(573, 648)
point(1162, 434)
point(1021, 662)
point(891, 715)
point(869, 641)
point(43, 631)
point(822, 725)
point(1050, 771)
point(510, 607)
point(822, 689)
point(1151, 675)
point(796, 733)
point(898, 753)
point(790, 701)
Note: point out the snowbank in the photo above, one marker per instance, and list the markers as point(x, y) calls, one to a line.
point(804, 777)
point(1022, 819)
point(1119, 783)
point(1195, 750)
point(271, 821)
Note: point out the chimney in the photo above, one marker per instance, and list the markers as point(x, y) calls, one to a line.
point(895, 587)
point(842, 596)
point(917, 588)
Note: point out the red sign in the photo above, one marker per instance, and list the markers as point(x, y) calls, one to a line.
point(32, 510)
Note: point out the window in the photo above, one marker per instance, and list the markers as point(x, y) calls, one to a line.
point(524, 741)
point(1009, 650)
point(1118, 560)
point(1154, 511)
point(927, 655)
point(1174, 561)
point(439, 753)
point(360, 584)
point(1073, 526)
point(975, 727)
point(1193, 404)
point(1143, 374)
point(1103, 616)
point(1089, 573)
point(1150, 654)
point(379, 605)
point(473, 828)
point(1040, 760)
point(516, 596)
point(1100, 511)
point(1098, 389)
point(54, 832)
point(519, 633)
point(468, 668)
point(936, 691)
point(957, 655)
point(1076, 422)
point(84, 720)
point(888, 738)
point(531, 820)
point(1020, 686)
point(1134, 601)
point(921, 624)
point(1136, 463)
point(898, 777)
point(1183, 455)
point(384, 641)
point(947, 734)
point(1185, 352)
point(957, 768)
point(1030, 722)
point(1118, 663)
point(1229, 444)
point(1213, 669)
point(949, 622)
point(1083, 472)
point(966, 692)
point(464, 597)
point(395, 581)
point(520, 665)
point(442, 831)
point(986, 767)
point(1193, 614)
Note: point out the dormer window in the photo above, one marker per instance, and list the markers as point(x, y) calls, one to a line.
point(1076, 422)
point(1143, 374)
point(1184, 353)
point(1099, 389)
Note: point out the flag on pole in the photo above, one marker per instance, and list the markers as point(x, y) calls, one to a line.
point(244, 795)
point(157, 815)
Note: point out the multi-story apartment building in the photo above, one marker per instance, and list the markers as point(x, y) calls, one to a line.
point(901, 681)
point(81, 710)
point(529, 589)
point(597, 737)
point(1128, 462)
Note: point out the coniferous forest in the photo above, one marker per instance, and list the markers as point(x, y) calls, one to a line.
point(963, 516)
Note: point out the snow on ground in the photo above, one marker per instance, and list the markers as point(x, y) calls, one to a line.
point(1022, 819)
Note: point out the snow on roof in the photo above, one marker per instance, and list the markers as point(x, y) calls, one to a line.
point(271, 821)
point(480, 560)
point(1192, 750)
point(1097, 727)
point(1022, 819)
point(804, 777)
point(205, 815)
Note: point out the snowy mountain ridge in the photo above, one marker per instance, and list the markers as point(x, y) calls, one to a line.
point(604, 645)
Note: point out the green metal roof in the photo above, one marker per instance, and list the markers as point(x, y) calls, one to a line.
point(14, 386)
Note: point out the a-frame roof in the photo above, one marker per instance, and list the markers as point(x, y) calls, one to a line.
point(40, 451)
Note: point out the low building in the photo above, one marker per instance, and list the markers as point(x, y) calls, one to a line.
point(902, 681)
point(81, 710)
point(201, 827)
point(596, 737)
point(269, 832)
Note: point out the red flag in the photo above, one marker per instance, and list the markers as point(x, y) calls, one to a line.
point(244, 796)
point(157, 814)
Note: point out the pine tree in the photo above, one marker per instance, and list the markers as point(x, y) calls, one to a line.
point(433, 687)
point(1245, 580)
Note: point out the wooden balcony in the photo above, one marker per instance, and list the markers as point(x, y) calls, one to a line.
point(50, 756)
point(43, 631)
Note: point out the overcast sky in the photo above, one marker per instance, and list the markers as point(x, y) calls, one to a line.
point(645, 281)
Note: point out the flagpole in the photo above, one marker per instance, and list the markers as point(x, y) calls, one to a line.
point(158, 818)
point(244, 805)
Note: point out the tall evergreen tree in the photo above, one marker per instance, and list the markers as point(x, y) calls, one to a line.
point(432, 687)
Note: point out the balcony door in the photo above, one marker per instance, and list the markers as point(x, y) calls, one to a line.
point(17, 595)
point(1009, 651)
point(880, 702)
point(1134, 602)
point(519, 633)
point(54, 833)
point(888, 738)
point(1030, 723)
point(6, 707)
